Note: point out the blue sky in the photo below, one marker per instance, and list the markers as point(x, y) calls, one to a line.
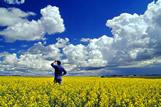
point(97, 37)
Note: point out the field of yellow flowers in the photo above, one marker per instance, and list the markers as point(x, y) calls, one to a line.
point(79, 92)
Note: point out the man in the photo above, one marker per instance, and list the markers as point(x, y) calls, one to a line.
point(59, 71)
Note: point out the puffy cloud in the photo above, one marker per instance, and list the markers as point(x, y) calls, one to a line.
point(24, 31)
point(49, 52)
point(51, 20)
point(93, 55)
point(20, 28)
point(11, 16)
point(34, 61)
point(136, 37)
point(10, 58)
point(25, 64)
point(61, 42)
point(14, 1)
point(98, 51)
point(76, 55)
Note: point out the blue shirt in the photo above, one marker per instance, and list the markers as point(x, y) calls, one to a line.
point(59, 70)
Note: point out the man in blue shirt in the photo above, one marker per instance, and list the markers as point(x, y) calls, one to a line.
point(59, 71)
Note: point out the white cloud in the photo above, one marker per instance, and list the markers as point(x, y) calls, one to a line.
point(61, 42)
point(10, 58)
point(75, 54)
point(51, 20)
point(12, 16)
point(85, 39)
point(98, 51)
point(49, 52)
point(14, 1)
point(92, 55)
point(12, 49)
point(136, 37)
point(23, 29)
point(35, 61)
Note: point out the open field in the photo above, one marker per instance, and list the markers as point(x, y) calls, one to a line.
point(79, 92)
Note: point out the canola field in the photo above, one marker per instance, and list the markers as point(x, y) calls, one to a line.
point(79, 92)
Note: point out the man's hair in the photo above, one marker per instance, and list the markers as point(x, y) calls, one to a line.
point(59, 62)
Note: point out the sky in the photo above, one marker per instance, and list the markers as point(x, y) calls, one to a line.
point(90, 37)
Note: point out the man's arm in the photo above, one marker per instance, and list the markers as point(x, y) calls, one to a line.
point(64, 72)
point(52, 64)
point(55, 61)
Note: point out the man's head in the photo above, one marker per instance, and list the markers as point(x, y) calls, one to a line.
point(59, 62)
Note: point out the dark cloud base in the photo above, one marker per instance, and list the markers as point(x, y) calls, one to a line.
point(132, 71)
